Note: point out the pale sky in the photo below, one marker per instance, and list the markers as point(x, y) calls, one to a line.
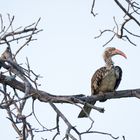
point(66, 55)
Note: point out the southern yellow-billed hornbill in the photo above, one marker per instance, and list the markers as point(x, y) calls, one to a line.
point(105, 79)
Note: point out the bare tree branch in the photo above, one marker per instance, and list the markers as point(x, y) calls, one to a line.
point(47, 97)
point(130, 14)
point(98, 132)
point(126, 12)
point(93, 4)
point(19, 83)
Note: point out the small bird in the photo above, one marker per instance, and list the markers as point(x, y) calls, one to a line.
point(105, 79)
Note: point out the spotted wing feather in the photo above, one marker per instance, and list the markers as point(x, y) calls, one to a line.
point(97, 79)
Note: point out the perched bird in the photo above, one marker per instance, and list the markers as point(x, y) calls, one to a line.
point(105, 79)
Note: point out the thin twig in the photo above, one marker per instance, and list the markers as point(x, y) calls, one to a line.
point(126, 12)
point(98, 132)
point(93, 4)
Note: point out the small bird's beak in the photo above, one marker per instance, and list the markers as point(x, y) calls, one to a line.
point(115, 52)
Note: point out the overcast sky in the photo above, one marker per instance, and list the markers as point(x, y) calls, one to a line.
point(66, 55)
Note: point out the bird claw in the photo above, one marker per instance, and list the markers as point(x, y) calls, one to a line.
point(114, 92)
point(103, 97)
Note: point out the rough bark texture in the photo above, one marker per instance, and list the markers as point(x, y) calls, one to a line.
point(79, 98)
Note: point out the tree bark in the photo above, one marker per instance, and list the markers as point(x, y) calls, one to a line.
point(44, 96)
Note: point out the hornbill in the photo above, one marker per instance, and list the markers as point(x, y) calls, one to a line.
point(105, 79)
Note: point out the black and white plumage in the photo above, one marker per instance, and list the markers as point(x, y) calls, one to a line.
point(105, 79)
